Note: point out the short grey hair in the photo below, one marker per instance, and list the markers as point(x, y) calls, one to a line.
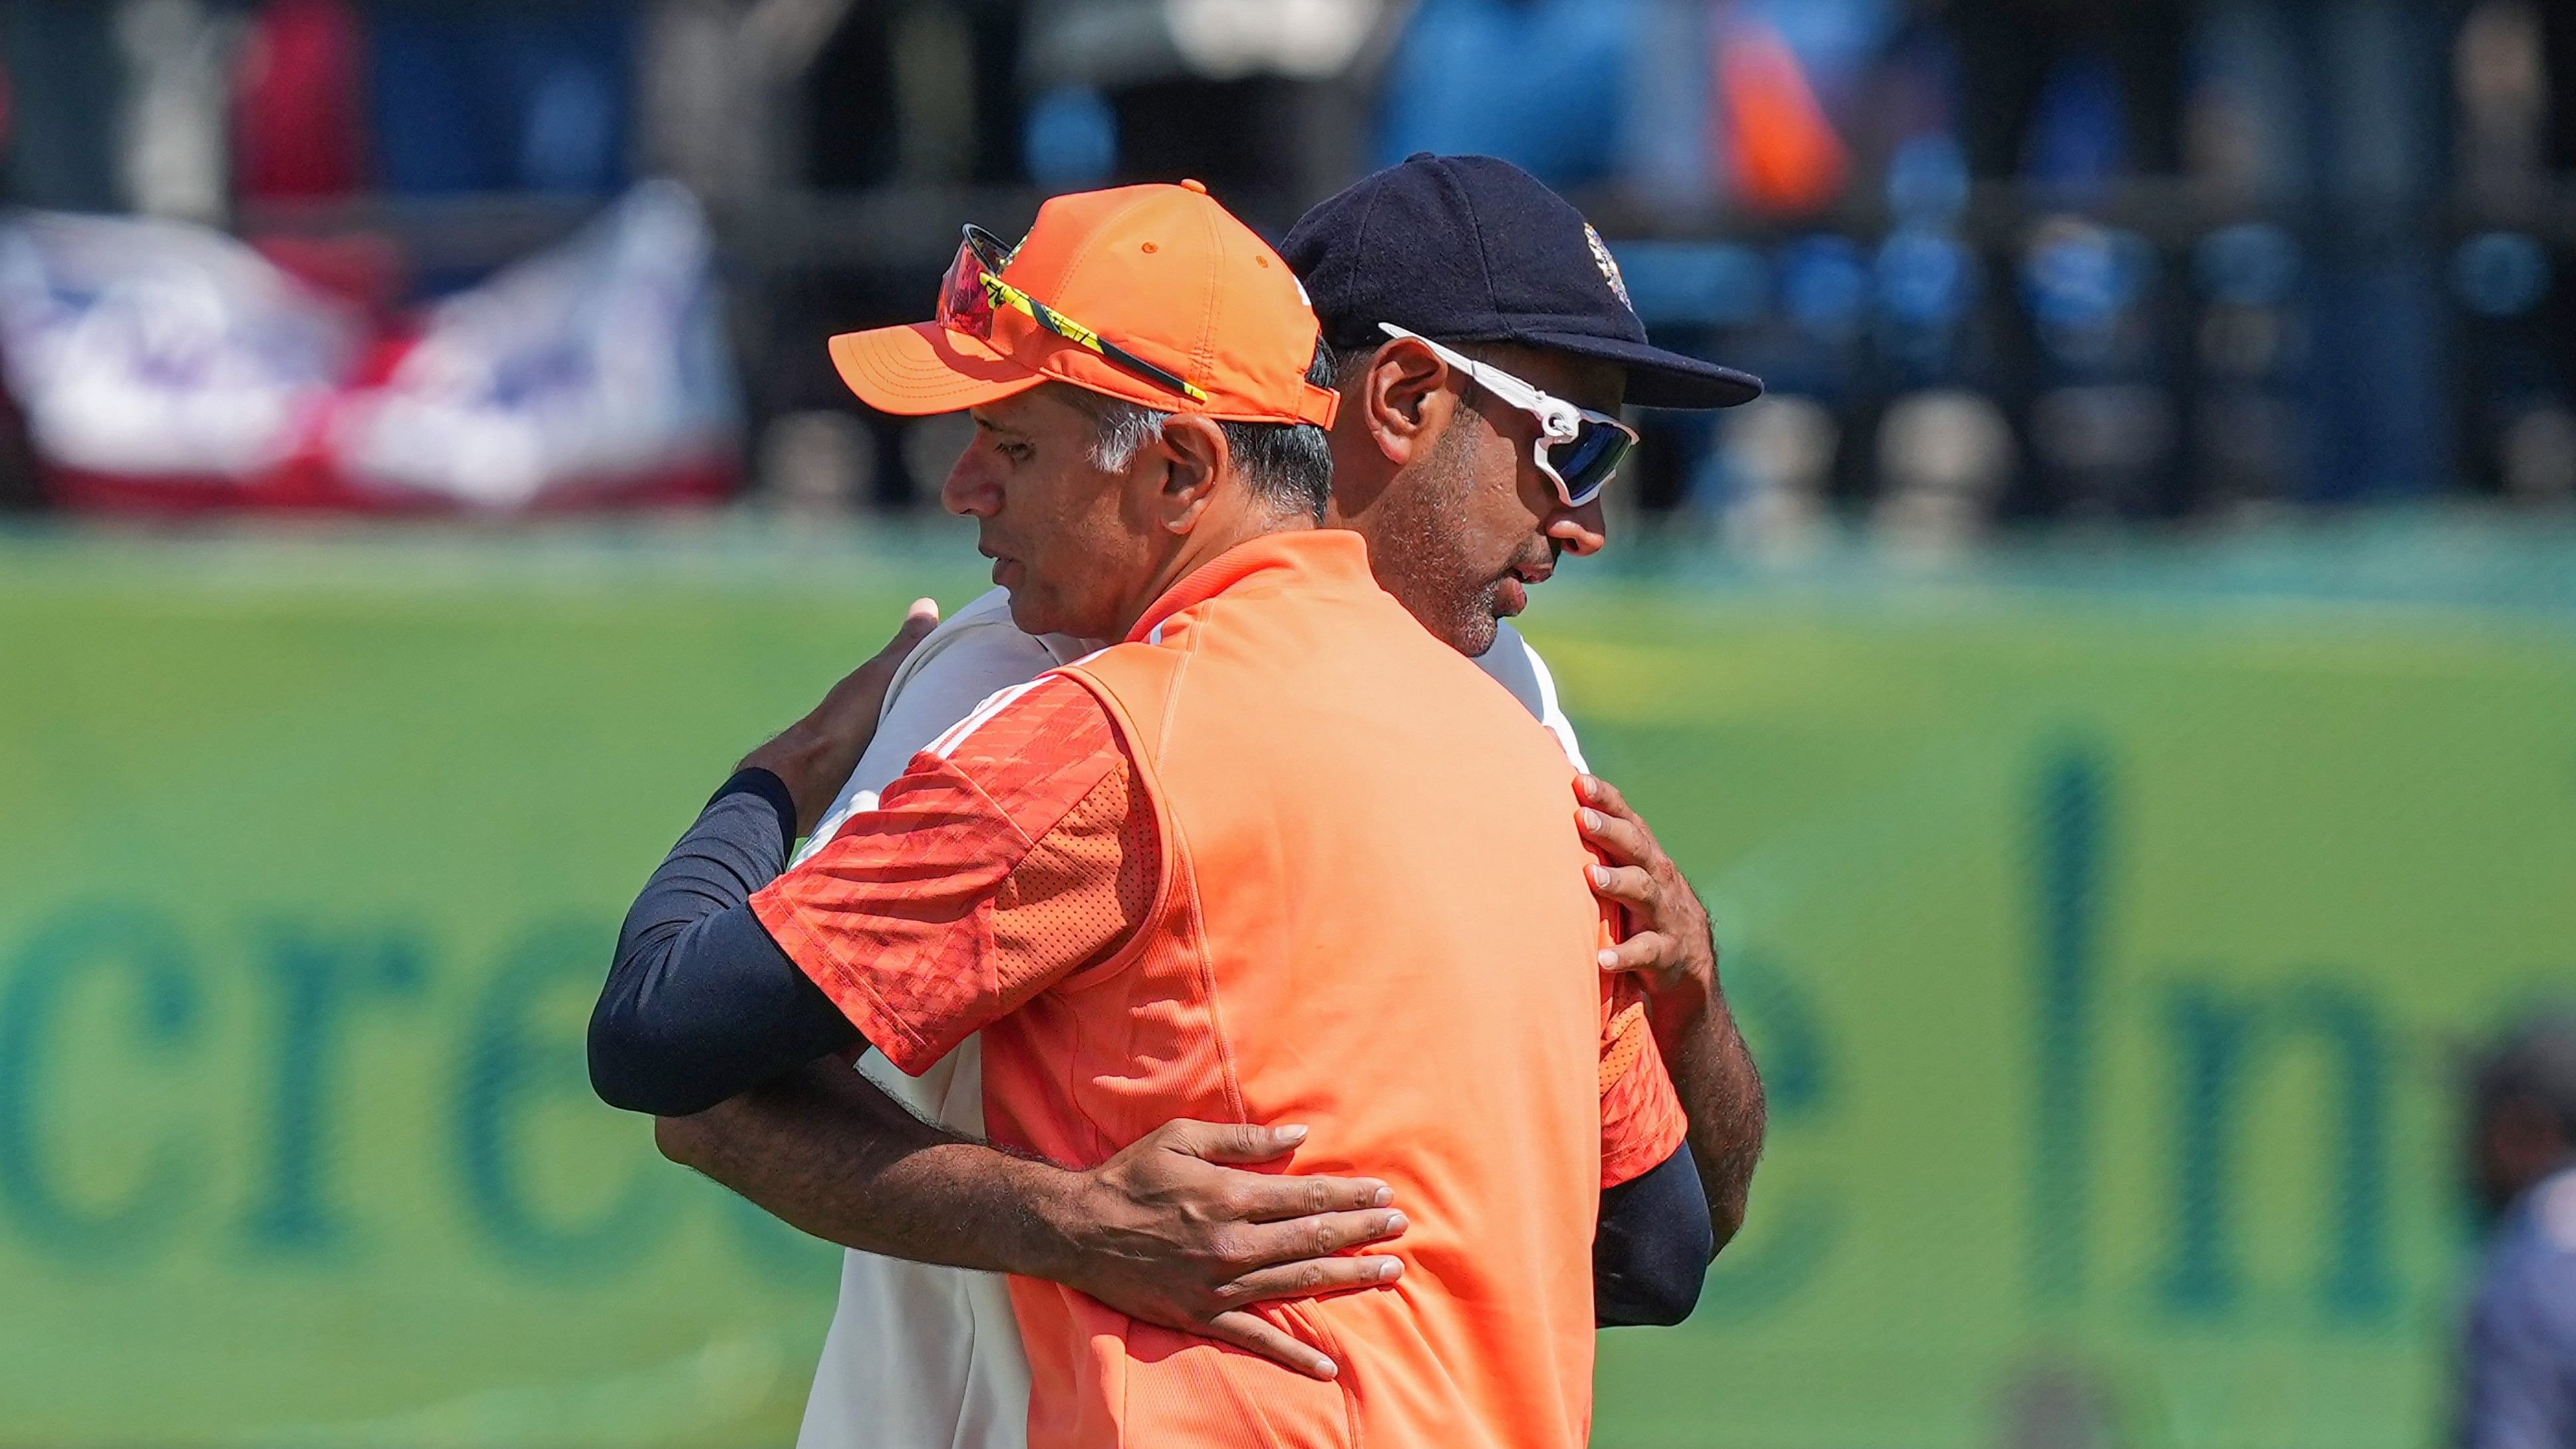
point(1119, 429)
point(1288, 464)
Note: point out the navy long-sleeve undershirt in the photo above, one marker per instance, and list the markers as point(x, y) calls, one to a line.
point(701, 1005)
point(1651, 1246)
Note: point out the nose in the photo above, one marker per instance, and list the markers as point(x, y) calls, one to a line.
point(1583, 530)
point(970, 491)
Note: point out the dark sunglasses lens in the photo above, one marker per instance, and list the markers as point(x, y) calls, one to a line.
point(1587, 463)
point(964, 305)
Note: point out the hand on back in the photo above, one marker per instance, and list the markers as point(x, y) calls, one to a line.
point(1177, 1236)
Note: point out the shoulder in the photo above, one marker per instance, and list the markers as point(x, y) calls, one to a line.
point(2530, 1277)
point(973, 654)
point(979, 639)
point(1516, 666)
point(1032, 750)
point(2540, 1232)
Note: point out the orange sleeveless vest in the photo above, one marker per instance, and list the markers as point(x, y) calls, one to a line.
point(1373, 920)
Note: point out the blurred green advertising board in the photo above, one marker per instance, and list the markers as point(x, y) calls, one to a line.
point(2106, 950)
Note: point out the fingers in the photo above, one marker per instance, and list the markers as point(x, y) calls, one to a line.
point(1272, 1245)
point(1262, 1197)
point(1265, 1197)
point(917, 624)
point(1229, 1141)
point(1602, 794)
point(1644, 951)
point(1313, 1278)
point(1628, 884)
point(1619, 837)
point(1252, 1335)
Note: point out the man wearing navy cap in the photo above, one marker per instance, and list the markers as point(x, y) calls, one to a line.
point(1486, 344)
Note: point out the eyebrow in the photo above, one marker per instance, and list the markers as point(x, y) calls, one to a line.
point(988, 425)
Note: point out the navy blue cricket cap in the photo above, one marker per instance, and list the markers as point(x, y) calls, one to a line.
point(1474, 249)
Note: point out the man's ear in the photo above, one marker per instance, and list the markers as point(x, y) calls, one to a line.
point(1404, 398)
point(1195, 454)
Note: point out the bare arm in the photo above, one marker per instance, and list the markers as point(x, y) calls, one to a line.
point(1160, 1232)
point(826, 1152)
point(1674, 952)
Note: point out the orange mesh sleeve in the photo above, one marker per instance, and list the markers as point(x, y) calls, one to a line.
point(1081, 891)
point(1641, 1118)
point(998, 863)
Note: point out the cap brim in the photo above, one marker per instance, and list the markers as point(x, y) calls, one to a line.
point(923, 368)
point(1656, 378)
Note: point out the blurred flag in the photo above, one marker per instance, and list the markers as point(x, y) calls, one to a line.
point(597, 372)
point(159, 362)
point(164, 365)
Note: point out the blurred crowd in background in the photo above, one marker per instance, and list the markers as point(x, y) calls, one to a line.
point(2001, 261)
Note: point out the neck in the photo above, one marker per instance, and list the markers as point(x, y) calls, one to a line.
point(1361, 506)
point(1238, 522)
point(1361, 477)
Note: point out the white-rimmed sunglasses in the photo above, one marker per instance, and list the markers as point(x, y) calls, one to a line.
point(1577, 448)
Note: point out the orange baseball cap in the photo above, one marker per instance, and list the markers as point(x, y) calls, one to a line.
point(1162, 272)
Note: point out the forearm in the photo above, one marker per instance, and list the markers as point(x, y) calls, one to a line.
point(1158, 1232)
point(1721, 1094)
point(826, 1151)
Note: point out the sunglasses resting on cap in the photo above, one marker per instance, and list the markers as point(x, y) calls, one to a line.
point(1152, 294)
point(974, 288)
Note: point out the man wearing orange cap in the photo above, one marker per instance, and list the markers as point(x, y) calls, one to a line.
point(1123, 875)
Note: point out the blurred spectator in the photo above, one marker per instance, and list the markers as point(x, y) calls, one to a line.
point(22, 482)
point(1786, 157)
point(1258, 98)
point(1538, 83)
point(2519, 1375)
point(171, 137)
point(298, 132)
point(919, 94)
point(62, 64)
point(709, 89)
point(2511, 66)
point(2030, 64)
point(478, 95)
point(1781, 450)
point(1944, 456)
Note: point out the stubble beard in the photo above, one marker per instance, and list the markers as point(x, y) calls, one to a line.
point(1434, 577)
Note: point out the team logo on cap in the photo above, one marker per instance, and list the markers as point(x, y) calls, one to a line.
point(1609, 266)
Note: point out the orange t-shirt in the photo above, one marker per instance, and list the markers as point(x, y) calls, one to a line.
point(1023, 878)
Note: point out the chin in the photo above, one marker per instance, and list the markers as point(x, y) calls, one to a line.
point(1475, 634)
point(1029, 615)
